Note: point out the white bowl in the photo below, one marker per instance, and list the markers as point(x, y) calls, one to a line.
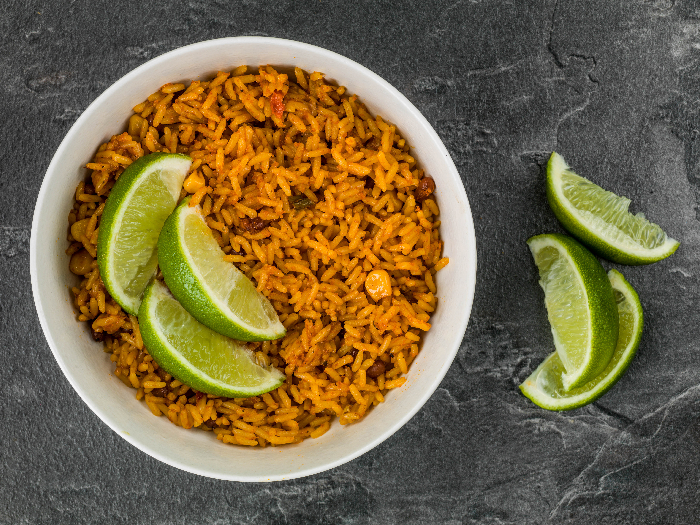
point(90, 371)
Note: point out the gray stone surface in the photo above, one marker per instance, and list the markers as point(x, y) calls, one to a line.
point(613, 86)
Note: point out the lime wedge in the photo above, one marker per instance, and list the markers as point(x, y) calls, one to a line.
point(600, 220)
point(544, 386)
point(580, 305)
point(140, 201)
point(197, 356)
point(214, 291)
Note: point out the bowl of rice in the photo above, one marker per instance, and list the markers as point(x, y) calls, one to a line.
point(330, 191)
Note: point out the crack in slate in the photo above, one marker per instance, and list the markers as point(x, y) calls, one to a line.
point(646, 443)
point(550, 46)
point(563, 64)
point(586, 58)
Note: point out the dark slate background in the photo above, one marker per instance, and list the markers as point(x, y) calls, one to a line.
point(613, 86)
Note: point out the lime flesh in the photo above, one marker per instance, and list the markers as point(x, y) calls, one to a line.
point(600, 220)
point(580, 305)
point(544, 386)
point(197, 356)
point(135, 211)
point(214, 291)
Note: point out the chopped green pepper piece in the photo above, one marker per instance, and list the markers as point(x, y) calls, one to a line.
point(300, 202)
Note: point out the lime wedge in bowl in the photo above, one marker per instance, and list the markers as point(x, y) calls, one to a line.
point(600, 220)
point(544, 386)
point(580, 305)
point(140, 201)
point(197, 356)
point(212, 290)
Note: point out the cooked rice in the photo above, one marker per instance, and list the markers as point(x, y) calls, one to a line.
point(261, 144)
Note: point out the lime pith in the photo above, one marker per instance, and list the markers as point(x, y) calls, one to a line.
point(136, 209)
point(544, 386)
point(580, 306)
point(214, 291)
point(600, 220)
point(197, 356)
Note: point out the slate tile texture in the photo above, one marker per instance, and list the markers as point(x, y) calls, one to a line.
point(613, 86)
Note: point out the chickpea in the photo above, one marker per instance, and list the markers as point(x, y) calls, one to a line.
point(81, 262)
point(378, 284)
point(136, 123)
point(194, 182)
point(78, 229)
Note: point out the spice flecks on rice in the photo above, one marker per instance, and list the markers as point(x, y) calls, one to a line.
point(321, 205)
